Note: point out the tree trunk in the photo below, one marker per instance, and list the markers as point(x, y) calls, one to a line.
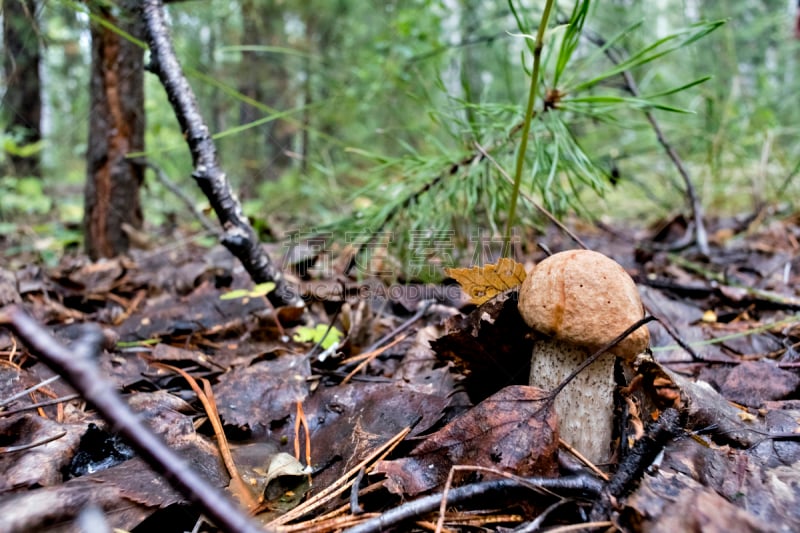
point(116, 128)
point(22, 102)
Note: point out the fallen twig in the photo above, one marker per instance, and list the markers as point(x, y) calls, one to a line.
point(23, 447)
point(343, 483)
point(206, 397)
point(78, 366)
point(579, 486)
point(638, 459)
point(37, 405)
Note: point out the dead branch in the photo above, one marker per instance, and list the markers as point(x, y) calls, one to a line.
point(578, 486)
point(78, 366)
point(700, 234)
point(239, 236)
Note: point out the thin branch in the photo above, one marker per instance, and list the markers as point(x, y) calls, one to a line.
point(23, 393)
point(162, 176)
point(548, 215)
point(45, 403)
point(596, 355)
point(669, 426)
point(408, 201)
point(579, 486)
point(78, 366)
point(526, 124)
point(23, 447)
point(238, 235)
point(700, 234)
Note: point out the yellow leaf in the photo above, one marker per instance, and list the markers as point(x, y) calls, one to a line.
point(709, 316)
point(747, 417)
point(486, 282)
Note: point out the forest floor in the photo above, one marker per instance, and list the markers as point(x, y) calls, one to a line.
point(420, 382)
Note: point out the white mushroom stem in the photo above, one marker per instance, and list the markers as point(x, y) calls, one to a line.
point(585, 407)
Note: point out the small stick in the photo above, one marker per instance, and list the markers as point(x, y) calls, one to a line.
point(590, 465)
point(22, 447)
point(367, 358)
point(341, 484)
point(27, 391)
point(448, 484)
point(205, 395)
point(592, 358)
point(45, 403)
point(550, 216)
point(582, 486)
point(301, 421)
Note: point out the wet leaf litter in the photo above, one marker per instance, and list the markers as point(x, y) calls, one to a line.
point(444, 384)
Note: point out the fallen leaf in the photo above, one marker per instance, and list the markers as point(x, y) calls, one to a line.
point(513, 430)
point(754, 382)
point(709, 491)
point(489, 345)
point(348, 422)
point(264, 392)
point(483, 283)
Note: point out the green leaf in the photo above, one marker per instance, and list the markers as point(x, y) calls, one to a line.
point(262, 289)
point(320, 333)
point(263, 49)
point(607, 103)
point(571, 38)
point(235, 295)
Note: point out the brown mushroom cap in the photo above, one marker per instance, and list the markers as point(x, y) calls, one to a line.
point(586, 299)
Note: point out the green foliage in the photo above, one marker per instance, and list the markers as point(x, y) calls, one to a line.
point(22, 196)
point(458, 190)
point(387, 103)
point(11, 145)
point(24, 203)
point(260, 290)
point(321, 333)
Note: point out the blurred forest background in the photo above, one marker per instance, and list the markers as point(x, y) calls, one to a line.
point(358, 116)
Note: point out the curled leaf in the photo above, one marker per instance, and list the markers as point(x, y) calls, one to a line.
point(484, 283)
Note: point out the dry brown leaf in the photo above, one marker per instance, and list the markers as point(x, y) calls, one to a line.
point(486, 282)
point(513, 430)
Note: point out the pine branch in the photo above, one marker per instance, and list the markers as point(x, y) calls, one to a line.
point(700, 234)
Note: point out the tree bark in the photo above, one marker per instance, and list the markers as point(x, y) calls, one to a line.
point(116, 128)
point(22, 102)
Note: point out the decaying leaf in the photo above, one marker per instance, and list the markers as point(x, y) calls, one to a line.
point(283, 464)
point(513, 430)
point(349, 421)
point(738, 490)
point(261, 463)
point(483, 283)
point(489, 346)
point(263, 392)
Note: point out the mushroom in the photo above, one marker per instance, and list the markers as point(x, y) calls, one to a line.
point(577, 302)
